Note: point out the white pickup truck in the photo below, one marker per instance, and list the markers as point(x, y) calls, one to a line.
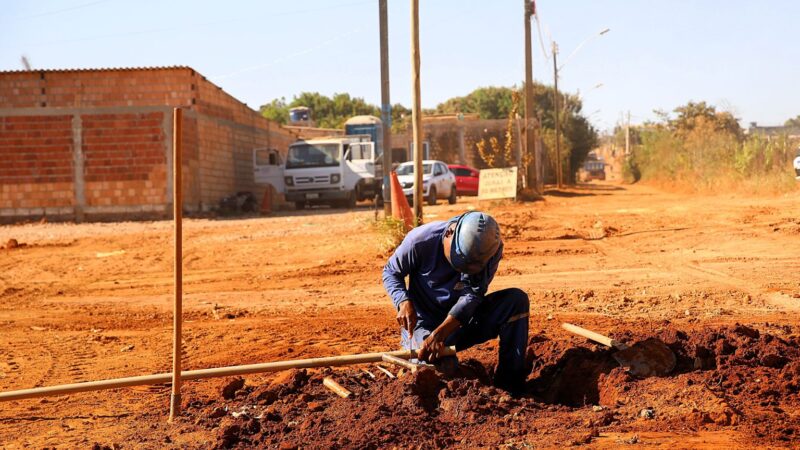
point(337, 171)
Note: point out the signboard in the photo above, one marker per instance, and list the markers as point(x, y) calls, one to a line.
point(497, 183)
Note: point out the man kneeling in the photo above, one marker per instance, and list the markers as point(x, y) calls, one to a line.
point(450, 266)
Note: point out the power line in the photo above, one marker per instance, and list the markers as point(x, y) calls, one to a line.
point(59, 11)
point(541, 38)
point(187, 26)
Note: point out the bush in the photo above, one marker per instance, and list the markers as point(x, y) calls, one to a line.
point(390, 231)
point(701, 154)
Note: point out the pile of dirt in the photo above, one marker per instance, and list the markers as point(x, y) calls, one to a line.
point(720, 374)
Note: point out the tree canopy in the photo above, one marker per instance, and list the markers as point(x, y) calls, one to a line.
point(794, 122)
point(329, 112)
point(493, 102)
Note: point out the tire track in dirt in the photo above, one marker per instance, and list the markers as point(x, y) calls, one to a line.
point(72, 358)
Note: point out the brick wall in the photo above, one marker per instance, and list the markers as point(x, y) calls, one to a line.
point(124, 159)
point(169, 86)
point(98, 142)
point(36, 167)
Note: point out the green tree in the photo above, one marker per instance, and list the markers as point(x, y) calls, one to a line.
point(578, 136)
point(488, 102)
point(696, 114)
point(276, 110)
point(795, 122)
point(327, 112)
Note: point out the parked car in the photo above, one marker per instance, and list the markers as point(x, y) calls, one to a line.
point(466, 179)
point(797, 165)
point(437, 181)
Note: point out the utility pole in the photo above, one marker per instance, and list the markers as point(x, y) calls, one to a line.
point(628, 135)
point(530, 10)
point(416, 111)
point(386, 108)
point(557, 118)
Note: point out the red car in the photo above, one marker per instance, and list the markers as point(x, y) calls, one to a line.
point(466, 179)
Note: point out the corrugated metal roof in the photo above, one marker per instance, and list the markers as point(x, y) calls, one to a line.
point(99, 69)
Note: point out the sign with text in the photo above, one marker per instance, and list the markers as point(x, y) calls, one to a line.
point(497, 183)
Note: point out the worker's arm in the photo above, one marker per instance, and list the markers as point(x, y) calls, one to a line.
point(400, 264)
point(476, 287)
point(432, 346)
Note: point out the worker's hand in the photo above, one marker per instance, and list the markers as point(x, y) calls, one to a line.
point(431, 348)
point(407, 317)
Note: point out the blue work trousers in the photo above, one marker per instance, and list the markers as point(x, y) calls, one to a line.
point(502, 314)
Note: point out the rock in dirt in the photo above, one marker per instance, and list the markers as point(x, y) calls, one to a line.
point(230, 389)
point(217, 412)
point(229, 435)
point(613, 387)
point(316, 406)
point(11, 244)
point(647, 413)
point(746, 331)
point(292, 379)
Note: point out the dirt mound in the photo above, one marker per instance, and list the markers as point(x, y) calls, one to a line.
point(726, 377)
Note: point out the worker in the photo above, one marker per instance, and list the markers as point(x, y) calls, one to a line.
point(450, 265)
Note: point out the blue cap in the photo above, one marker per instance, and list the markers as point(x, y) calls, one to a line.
point(476, 240)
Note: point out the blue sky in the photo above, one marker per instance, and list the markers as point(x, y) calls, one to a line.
point(739, 55)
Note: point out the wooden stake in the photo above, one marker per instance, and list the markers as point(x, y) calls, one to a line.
point(177, 214)
point(161, 378)
point(416, 113)
point(337, 388)
point(401, 362)
point(385, 370)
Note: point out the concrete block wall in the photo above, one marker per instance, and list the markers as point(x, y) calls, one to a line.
point(124, 159)
point(36, 167)
point(166, 86)
point(98, 143)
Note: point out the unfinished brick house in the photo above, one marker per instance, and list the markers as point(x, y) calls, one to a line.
point(97, 143)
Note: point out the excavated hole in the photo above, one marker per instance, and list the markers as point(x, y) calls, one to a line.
point(574, 380)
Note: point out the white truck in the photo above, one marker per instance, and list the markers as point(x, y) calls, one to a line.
point(336, 171)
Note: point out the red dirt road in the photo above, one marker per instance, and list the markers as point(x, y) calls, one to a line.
point(715, 277)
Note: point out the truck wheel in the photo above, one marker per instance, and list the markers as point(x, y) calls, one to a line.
point(432, 196)
point(452, 199)
point(299, 206)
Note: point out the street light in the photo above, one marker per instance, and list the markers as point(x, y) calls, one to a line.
point(556, 68)
point(585, 41)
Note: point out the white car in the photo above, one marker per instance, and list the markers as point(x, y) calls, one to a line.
point(797, 165)
point(437, 181)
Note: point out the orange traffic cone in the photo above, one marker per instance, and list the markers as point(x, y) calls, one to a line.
point(400, 208)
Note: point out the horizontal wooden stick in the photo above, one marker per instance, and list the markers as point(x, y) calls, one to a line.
point(63, 389)
point(386, 371)
point(337, 388)
point(592, 336)
point(400, 362)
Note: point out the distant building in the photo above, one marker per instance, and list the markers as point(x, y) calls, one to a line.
point(769, 132)
point(97, 143)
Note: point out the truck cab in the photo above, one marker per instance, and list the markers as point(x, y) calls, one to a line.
point(338, 171)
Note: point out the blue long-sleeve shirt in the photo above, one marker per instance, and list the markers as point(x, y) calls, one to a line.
point(435, 288)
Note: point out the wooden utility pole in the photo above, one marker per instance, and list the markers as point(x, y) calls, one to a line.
point(386, 107)
point(530, 137)
point(628, 135)
point(416, 112)
point(557, 117)
point(177, 215)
